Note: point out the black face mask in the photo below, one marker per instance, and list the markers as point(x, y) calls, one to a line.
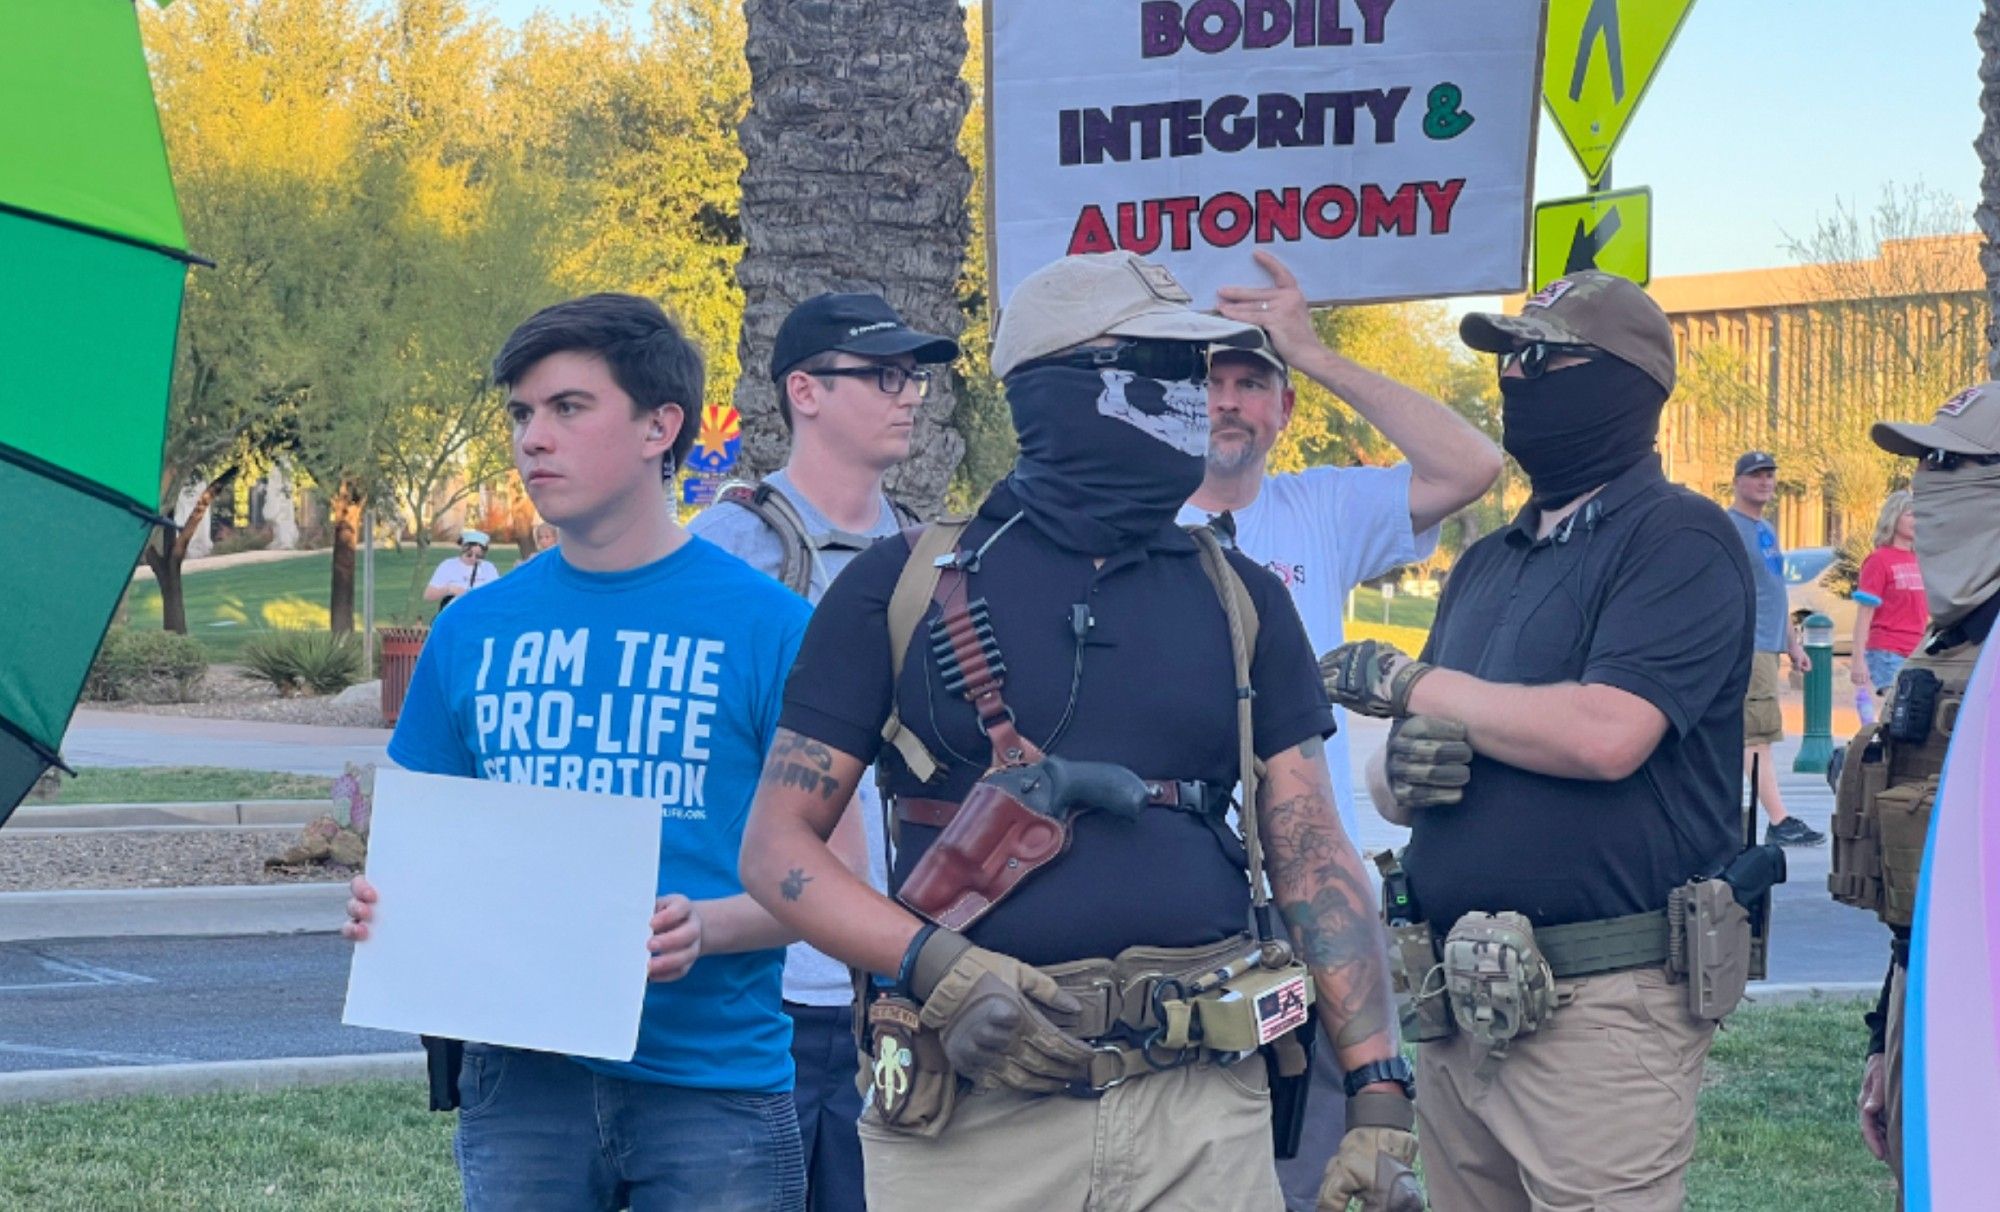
point(1573, 430)
point(1107, 458)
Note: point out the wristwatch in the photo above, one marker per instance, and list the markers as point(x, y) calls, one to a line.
point(1396, 1069)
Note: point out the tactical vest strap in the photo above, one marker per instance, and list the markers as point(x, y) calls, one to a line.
point(907, 604)
point(781, 518)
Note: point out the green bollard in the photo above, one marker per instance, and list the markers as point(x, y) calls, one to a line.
point(1816, 748)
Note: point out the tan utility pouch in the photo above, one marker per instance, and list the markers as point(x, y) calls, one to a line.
point(1709, 944)
point(1856, 874)
point(1499, 984)
point(1414, 973)
point(1903, 820)
point(905, 1078)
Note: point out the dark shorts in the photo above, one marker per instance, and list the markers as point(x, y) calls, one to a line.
point(540, 1133)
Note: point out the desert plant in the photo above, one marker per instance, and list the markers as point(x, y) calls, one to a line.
point(304, 662)
point(147, 667)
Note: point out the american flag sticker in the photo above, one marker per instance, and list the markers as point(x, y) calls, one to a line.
point(1550, 293)
point(1956, 405)
point(1282, 1009)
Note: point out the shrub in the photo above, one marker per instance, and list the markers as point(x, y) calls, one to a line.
point(147, 667)
point(300, 662)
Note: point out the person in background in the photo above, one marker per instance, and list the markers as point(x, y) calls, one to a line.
point(1890, 613)
point(546, 536)
point(464, 572)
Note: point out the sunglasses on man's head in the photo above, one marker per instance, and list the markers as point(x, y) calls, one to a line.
point(889, 377)
point(1165, 360)
point(1534, 359)
point(1948, 460)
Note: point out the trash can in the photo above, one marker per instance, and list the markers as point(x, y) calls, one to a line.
point(400, 646)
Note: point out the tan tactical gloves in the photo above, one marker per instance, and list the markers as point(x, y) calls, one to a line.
point(1371, 677)
point(1429, 762)
point(1373, 1167)
point(991, 1014)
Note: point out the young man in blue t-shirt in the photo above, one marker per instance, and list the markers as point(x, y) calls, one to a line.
point(640, 660)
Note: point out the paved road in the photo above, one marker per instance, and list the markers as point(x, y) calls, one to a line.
point(117, 738)
point(89, 1002)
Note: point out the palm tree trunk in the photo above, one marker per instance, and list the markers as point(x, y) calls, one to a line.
point(1988, 146)
point(853, 181)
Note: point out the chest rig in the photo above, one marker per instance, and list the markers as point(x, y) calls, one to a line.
point(1882, 806)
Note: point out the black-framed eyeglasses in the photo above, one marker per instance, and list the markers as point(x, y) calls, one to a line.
point(1534, 359)
point(1168, 361)
point(889, 377)
point(1948, 460)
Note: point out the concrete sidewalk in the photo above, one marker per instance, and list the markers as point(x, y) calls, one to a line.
point(203, 911)
point(122, 738)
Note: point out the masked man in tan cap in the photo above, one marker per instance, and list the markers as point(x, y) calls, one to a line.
point(1882, 805)
point(1078, 996)
point(1568, 756)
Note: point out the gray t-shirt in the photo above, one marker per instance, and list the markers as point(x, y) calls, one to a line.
point(811, 978)
point(1767, 570)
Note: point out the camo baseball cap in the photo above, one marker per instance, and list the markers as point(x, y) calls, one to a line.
point(1968, 423)
point(1114, 294)
point(1589, 307)
point(1262, 350)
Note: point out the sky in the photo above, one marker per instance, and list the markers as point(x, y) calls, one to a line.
point(1763, 117)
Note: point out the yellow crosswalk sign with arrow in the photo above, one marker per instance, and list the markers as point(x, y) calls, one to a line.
point(1609, 231)
point(1601, 56)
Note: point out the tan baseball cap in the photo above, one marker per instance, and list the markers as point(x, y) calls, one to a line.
point(1114, 294)
point(1968, 423)
point(1589, 307)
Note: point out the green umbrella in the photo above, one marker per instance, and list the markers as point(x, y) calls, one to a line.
point(92, 260)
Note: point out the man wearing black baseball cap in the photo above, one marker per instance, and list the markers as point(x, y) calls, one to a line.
point(851, 376)
point(1754, 487)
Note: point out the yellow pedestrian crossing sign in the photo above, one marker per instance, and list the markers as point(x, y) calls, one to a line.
point(1610, 231)
point(1601, 56)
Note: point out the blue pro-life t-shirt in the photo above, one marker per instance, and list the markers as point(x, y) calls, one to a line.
point(663, 681)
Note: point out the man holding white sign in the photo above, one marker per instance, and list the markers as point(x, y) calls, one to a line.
point(1325, 530)
point(636, 661)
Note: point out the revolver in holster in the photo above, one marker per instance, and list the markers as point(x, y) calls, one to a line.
point(1014, 822)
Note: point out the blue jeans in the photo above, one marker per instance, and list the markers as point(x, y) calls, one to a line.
point(1883, 666)
point(538, 1132)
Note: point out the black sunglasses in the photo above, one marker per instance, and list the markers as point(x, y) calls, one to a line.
point(1168, 361)
point(1534, 359)
point(1948, 460)
point(890, 378)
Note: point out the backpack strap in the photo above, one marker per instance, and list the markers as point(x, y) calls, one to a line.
point(782, 518)
point(1241, 612)
point(930, 547)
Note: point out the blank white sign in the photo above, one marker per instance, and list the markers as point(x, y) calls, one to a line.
point(508, 914)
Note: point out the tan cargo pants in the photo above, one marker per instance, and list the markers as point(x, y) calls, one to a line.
point(1892, 1073)
point(1196, 1139)
point(1595, 1111)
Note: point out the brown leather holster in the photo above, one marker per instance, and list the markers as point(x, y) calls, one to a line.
point(993, 843)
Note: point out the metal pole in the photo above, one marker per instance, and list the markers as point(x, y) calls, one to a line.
point(368, 593)
point(1816, 747)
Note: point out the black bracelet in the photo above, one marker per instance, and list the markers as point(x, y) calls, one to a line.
point(907, 968)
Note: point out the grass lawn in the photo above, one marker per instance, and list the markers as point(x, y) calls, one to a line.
point(1777, 1131)
point(185, 784)
point(227, 606)
point(1405, 610)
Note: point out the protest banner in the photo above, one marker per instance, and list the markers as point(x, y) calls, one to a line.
point(1384, 149)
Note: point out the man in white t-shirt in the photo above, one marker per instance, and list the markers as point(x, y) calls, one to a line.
point(464, 572)
point(1327, 529)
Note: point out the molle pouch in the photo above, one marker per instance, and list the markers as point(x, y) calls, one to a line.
point(1498, 981)
point(1915, 706)
point(1856, 874)
point(994, 843)
point(904, 1078)
point(1421, 1006)
point(1715, 950)
point(1255, 1009)
point(1903, 818)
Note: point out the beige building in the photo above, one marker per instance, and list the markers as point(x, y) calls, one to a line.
point(1801, 360)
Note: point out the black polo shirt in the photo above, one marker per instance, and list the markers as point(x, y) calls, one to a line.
point(1154, 692)
point(1649, 591)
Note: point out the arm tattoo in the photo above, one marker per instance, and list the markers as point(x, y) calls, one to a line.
point(793, 886)
point(1322, 891)
point(799, 761)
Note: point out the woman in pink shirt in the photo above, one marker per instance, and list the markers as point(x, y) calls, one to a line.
point(1892, 614)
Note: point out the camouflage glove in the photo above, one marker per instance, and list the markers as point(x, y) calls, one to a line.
point(1373, 1166)
point(1429, 763)
point(1371, 677)
point(991, 1015)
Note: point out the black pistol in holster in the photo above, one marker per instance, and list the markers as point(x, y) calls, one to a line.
point(1014, 822)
